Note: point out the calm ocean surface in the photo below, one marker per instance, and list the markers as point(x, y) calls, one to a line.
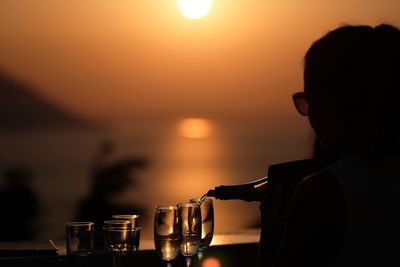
point(180, 168)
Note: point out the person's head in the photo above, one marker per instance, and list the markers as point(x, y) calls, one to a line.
point(352, 89)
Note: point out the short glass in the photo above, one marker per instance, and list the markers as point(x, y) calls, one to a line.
point(117, 236)
point(80, 238)
point(135, 229)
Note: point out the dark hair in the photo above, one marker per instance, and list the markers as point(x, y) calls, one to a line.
point(360, 66)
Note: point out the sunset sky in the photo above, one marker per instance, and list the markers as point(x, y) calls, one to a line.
point(134, 61)
point(109, 59)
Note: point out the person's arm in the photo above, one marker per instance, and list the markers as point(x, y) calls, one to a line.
point(315, 223)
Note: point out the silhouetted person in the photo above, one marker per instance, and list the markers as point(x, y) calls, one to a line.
point(349, 213)
point(109, 180)
point(19, 205)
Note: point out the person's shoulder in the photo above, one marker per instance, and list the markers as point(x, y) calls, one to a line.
point(320, 183)
point(322, 193)
point(319, 191)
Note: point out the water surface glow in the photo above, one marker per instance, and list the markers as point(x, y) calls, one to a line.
point(195, 128)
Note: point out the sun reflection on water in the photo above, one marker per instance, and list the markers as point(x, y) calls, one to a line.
point(195, 128)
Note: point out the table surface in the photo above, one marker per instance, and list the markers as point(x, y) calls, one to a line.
point(243, 236)
point(233, 249)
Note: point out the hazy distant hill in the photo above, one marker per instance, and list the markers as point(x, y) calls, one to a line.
point(23, 109)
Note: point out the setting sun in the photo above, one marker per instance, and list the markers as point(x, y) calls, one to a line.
point(195, 9)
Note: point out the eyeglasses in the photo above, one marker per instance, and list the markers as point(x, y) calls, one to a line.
point(301, 103)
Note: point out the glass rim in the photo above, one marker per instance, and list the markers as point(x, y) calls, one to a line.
point(188, 204)
point(125, 224)
point(166, 207)
point(197, 200)
point(79, 223)
point(122, 229)
point(125, 216)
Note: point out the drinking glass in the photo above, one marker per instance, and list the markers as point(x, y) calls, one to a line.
point(135, 229)
point(117, 236)
point(79, 238)
point(117, 242)
point(207, 224)
point(167, 233)
point(190, 216)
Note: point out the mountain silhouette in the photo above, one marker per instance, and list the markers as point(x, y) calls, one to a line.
point(21, 108)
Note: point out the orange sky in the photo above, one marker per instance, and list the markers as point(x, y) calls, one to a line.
point(107, 59)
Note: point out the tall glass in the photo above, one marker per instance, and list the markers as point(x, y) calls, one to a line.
point(207, 224)
point(190, 216)
point(167, 233)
